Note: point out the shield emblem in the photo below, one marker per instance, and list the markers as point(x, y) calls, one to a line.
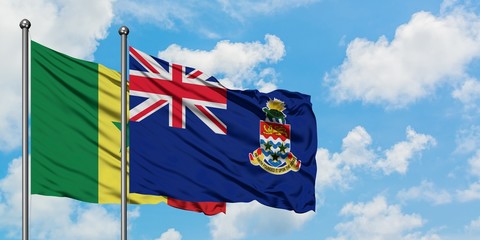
point(275, 143)
point(274, 154)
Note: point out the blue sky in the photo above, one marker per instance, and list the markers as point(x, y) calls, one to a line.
point(395, 89)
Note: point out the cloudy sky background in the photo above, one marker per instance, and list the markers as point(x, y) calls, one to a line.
point(395, 88)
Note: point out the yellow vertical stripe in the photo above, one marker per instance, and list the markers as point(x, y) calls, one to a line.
point(109, 104)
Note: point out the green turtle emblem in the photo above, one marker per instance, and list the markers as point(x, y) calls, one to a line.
point(274, 111)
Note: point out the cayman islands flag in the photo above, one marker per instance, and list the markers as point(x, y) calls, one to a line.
point(193, 139)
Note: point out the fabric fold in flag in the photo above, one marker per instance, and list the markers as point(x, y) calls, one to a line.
point(195, 140)
point(75, 134)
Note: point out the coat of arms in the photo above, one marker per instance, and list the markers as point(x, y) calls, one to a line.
point(274, 154)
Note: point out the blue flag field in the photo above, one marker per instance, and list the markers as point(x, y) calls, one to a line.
point(195, 140)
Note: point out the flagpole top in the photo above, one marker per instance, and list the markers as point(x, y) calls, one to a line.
point(25, 24)
point(123, 30)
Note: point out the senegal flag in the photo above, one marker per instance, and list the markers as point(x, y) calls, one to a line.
point(75, 135)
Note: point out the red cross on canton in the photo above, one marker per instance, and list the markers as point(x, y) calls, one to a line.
point(178, 89)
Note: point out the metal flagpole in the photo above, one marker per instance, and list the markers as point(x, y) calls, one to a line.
point(25, 25)
point(123, 31)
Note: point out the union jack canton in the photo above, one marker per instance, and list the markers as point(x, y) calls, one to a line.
point(163, 84)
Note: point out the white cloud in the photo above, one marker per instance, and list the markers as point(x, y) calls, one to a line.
point(474, 163)
point(355, 150)
point(134, 213)
point(170, 14)
point(425, 191)
point(337, 168)
point(420, 236)
point(245, 219)
point(69, 26)
point(468, 94)
point(468, 140)
point(470, 194)
point(377, 220)
point(398, 157)
point(331, 171)
point(471, 231)
point(73, 27)
point(447, 5)
point(187, 14)
point(268, 79)
point(473, 226)
point(52, 217)
point(11, 196)
point(242, 9)
point(411, 66)
point(164, 13)
point(71, 221)
point(170, 234)
point(238, 63)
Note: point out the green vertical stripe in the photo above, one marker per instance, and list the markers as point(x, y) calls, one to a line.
point(64, 125)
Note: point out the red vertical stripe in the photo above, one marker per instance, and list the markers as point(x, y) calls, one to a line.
point(177, 106)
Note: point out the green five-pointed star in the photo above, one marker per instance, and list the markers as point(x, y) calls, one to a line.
point(275, 157)
point(282, 148)
point(268, 145)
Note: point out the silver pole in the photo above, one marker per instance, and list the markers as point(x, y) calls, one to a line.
point(25, 25)
point(123, 31)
